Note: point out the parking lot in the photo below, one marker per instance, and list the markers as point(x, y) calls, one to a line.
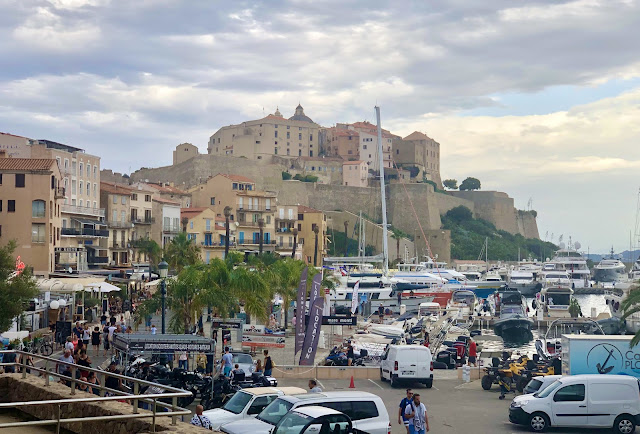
point(453, 406)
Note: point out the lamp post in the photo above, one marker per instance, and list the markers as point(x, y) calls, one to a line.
point(316, 229)
point(261, 226)
point(295, 243)
point(346, 238)
point(163, 270)
point(227, 213)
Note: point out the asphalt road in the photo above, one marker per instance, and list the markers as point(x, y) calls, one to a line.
point(453, 407)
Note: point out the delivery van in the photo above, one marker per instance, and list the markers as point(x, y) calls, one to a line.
point(407, 363)
point(581, 401)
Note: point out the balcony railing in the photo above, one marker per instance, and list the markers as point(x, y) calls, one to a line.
point(256, 242)
point(59, 192)
point(284, 230)
point(86, 232)
point(143, 221)
point(171, 228)
point(98, 260)
point(119, 224)
point(249, 223)
point(121, 245)
point(246, 207)
point(74, 209)
point(218, 244)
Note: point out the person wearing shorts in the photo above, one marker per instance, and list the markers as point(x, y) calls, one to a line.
point(227, 360)
point(402, 417)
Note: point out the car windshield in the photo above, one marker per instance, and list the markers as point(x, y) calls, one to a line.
point(534, 385)
point(275, 411)
point(293, 423)
point(237, 403)
point(243, 359)
point(549, 390)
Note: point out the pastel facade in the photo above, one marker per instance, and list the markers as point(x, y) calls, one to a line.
point(117, 200)
point(184, 152)
point(355, 173)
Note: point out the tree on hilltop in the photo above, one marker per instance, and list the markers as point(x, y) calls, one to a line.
point(459, 214)
point(451, 183)
point(470, 184)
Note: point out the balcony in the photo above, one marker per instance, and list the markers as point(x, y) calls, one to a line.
point(247, 207)
point(59, 192)
point(98, 260)
point(120, 224)
point(218, 244)
point(256, 242)
point(284, 230)
point(121, 245)
point(84, 232)
point(249, 223)
point(84, 210)
point(144, 221)
point(171, 228)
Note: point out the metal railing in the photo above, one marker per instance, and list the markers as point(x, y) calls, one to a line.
point(171, 228)
point(172, 409)
point(73, 209)
point(143, 221)
point(84, 232)
point(119, 224)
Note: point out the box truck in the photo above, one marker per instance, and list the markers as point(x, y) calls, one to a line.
point(598, 354)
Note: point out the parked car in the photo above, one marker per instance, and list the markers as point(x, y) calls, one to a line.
point(245, 362)
point(582, 401)
point(248, 403)
point(538, 384)
point(407, 363)
point(314, 420)
point(366, 411)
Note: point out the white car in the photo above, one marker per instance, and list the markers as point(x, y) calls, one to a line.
point(366, 411)
point(312, 420)
point(538, 384)
point(407, 363)
point(248, 403)
point(581, 401)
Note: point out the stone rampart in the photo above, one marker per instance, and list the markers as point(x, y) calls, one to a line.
point(493, 206)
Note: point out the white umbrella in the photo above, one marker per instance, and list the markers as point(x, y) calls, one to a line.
point(102, 287)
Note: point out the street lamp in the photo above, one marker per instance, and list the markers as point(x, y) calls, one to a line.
point(346, 238)
point(295, 243)
point(163, 270)
point(316, 229)
point(227, 214)
point(261, 226)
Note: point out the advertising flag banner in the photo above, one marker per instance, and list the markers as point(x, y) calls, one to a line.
point(354, 298)
point(300, 310)
point(315, 288)
point(313, 333)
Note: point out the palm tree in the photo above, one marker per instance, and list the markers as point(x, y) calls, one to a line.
point(631, 305)
point(150, 248)
point(181, 252)
point(397, 235)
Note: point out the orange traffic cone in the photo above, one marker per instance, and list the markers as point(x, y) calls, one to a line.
point(352, 385)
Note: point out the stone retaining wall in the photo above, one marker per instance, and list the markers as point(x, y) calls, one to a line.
point(13, 388)
point(327, 372)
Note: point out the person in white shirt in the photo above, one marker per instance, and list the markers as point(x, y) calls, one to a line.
point(153, 329)
point(313, 387)
point(199, 419)
point(69, 345)
point(416, 413)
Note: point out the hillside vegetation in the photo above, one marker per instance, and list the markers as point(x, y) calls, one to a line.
point(468, 237)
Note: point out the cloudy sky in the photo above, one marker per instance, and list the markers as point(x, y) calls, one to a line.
point(540, 99)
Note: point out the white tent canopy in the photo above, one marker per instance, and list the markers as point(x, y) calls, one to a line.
point(103, 287)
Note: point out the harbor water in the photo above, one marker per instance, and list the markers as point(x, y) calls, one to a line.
point(587, 302)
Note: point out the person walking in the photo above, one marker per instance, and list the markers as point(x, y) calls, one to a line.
point(95, 340)
point(381, 312)
point(227, 362)
point(201, 420)
point(268, 364)
point(153, 329)
point(417, 414)
point(350, 355)
point(63, 367)
point(86, 336)
point(473, 353)
point(402, 418)
point(313, 387)
point(85, 361)
point(183, 361)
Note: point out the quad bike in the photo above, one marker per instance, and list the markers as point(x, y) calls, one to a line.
point(534, 369)
point(503, 369)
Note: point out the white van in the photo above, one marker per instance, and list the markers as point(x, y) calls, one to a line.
point(407, 363)
point(538, 384)
point(587, 401)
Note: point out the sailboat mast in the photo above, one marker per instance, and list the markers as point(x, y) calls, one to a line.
point(383, 198)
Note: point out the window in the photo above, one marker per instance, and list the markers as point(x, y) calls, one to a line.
point(147, 198)
point(299, 152)
point(288, 127)
point(191, 225)
point(95, 171)
point(288, 134)
point(299, 136)
point(81, 169)
point(88, 170)
point(88, 189)
point(66, 163)
point(19, 180)
point(364, 146)
point(275, 151)
point(311, 137)
point(11, 206)
point(213, 201)
point(572, 393)
point(276, 134)
point(95, 190)
point(37, 233)
point(114, 214)
point(123, 217)
point(115, 199)
point(207, 224)
point(95, 204)
point(74, 170)
point(134, 196)
point(268, 219)
point(235, 186)
point(124, 200)
point(80, 187)
point(0, 205)
point(80, 203)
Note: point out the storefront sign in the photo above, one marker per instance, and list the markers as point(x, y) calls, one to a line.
point(339, 320)
point(230, 323)
point(157, 346)
point(69, 249)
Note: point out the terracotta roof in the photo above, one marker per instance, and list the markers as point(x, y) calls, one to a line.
point(167, 189)
point(305, 209)
point(190, 212)
point(279, 118)
point(353, 162)
point(113, 188)
point(27, 164)
point(339, 132)
point(165, 201)
point(237, 178)
point(417, 135)
point(221, 228)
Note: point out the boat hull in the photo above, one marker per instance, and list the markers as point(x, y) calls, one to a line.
point(514, 329)
point(527, 289)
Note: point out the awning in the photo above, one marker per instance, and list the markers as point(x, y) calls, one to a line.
point(88, 221)
point(102, 287)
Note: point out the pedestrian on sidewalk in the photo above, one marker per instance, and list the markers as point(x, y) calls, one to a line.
point(201, 420)
point(69, 345)
point(153, 329)
point(103, 319)
point(105, 340)
point(183, 360)
point(402, 418)
point(417, 414)
point(313, 387)
point(473, 353)
point(381, 313)
point(86, 336)
point(85, 361)
point(227, 360)
point(268, 364)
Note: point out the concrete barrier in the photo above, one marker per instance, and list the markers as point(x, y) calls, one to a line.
point(476, 373)
point(326, 372)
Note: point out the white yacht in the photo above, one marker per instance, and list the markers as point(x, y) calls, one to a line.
point(609, 271)
point(571, 261)
point(634, 274)
point(552, 277)
point(614, 299)
point(524, 281)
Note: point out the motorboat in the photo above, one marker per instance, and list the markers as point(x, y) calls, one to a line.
point(463, 303)
point(514, 323)
point(554, 301)
point(609, 271)
point(634, 274)
point(574, 264)
point(429, 311)
point(550, 344)
point(614, 299)
point(552, 277)
point(524, 281)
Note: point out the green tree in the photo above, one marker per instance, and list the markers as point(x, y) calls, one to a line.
point(149, 247)
point(459, 214)
point(397, 235)
point(470, 184)
point(631, 305)
point(451, 183)
point(181, 252)
point(15, 290)
point(286, 176)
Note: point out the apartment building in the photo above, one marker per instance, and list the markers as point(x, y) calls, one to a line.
point(308, 220)
point(343, 143)
point(296, 136)
point(355, 173)
point(286, 222)
point(167, 191)
point(207, 231)
point(141, 211)
point(431, 155)
point(117, 201)
point(15, 146)
point(166, 224)
point(30, 214)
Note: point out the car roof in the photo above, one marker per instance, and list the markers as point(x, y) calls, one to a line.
point(274, 390)
point(605, 378)
point(329, 395)
point(546, 378)
point(315, 411)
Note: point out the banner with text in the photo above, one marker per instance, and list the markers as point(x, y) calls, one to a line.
point(354, 297)
point(300, 310)
point(313, 333)
point(315, 288)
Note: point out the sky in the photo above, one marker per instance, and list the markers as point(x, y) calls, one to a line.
point(540, 99)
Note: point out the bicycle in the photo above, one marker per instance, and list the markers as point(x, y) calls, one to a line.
point(42, 345)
